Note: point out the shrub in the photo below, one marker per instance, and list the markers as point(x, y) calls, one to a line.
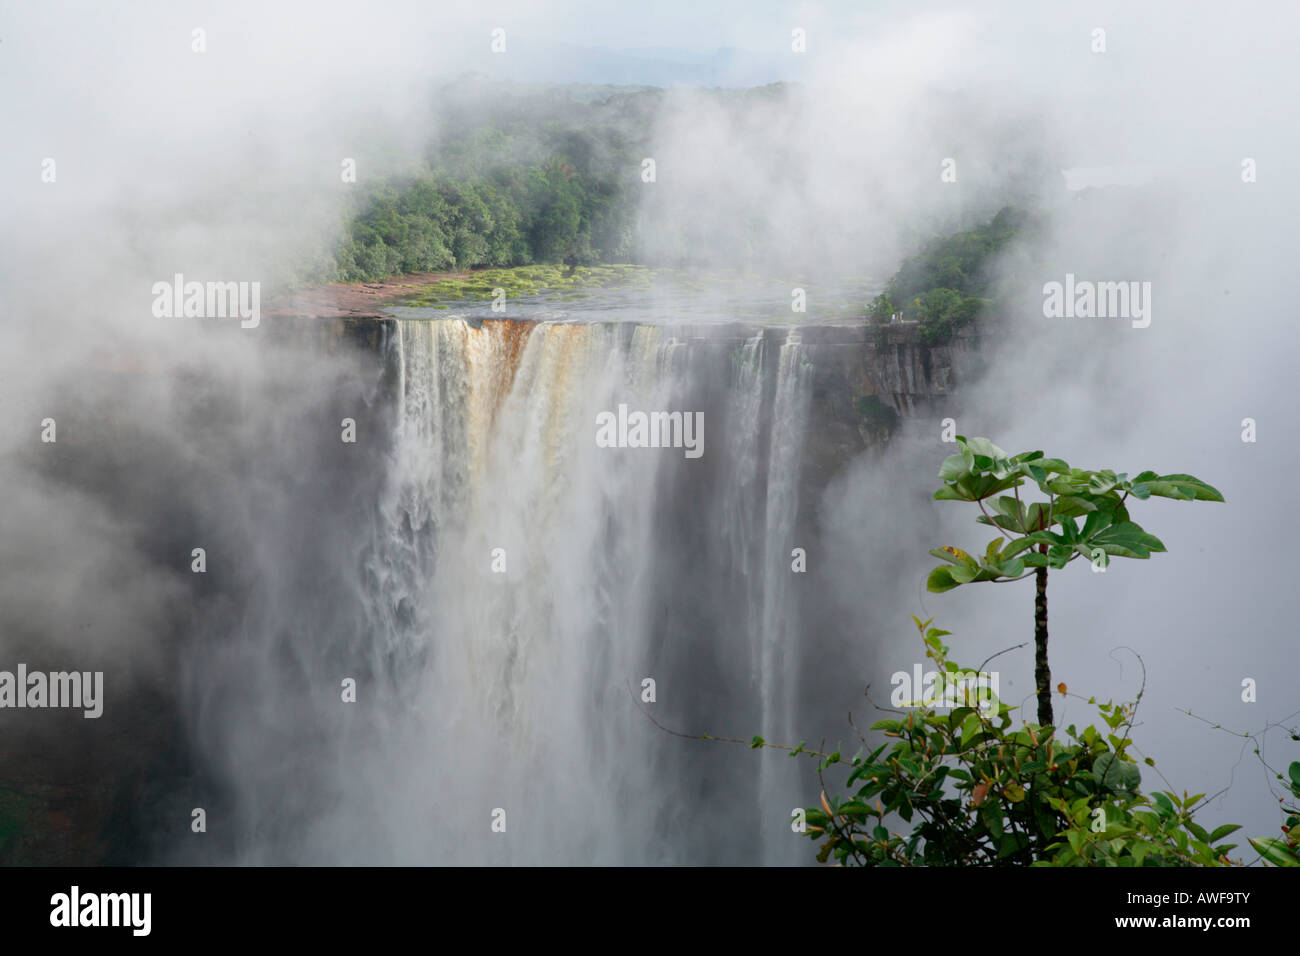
point(977, 792)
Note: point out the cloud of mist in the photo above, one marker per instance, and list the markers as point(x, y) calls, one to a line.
point(225, 165)
point(1188, 99)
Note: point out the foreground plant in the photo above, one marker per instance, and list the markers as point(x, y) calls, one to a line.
point(1285, 850)
point(977, 792)
point(1047, 534)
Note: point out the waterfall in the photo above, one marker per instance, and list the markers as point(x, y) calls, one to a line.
point(742, 513)
point(522, 582)
point(789, 418)
point(779, 631)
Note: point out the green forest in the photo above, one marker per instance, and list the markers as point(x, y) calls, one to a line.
point(544, 176)
point(552, 175)
point(950, 281)
point(520, 175)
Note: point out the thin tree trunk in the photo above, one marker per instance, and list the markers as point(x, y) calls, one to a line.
point(1042, 673)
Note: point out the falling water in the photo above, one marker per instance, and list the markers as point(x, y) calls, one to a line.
point(779, 632)
point(519, 585)
point(742, 512)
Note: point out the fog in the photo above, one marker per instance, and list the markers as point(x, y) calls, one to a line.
point(175, 433)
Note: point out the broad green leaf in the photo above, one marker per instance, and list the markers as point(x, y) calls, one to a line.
point(1011, 509)
point(1100, 483)
point(1011, 843)
point(1115, 773)
point(1168, 489)
point(1045, 537)
point(1000, 521)
point(1095, 521)
point(1187, 486)
point(983, 486)
point(983, 448)
point(940, 580)
point(1002, 468)
point(955, 556)
point(962, 575)
point(1127, 540)
point(991, 815)
point(1015, 547)
point(1275, 851)
point(954, 466)
point(1223, 831)
point(950, 494)
point(1037, 517)
point(1072, 505)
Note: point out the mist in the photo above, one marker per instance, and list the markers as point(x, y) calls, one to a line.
point(175, 434)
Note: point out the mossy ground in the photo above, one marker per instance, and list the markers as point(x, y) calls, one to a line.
point(529, 280)
point(742, 296)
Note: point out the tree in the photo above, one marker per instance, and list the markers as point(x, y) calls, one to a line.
point(981, 470)
point(881, 309)
point(962, 261)
point(942, 312)
point(557, 196)
point(936, 304)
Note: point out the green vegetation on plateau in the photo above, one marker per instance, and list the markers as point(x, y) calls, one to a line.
point(947, 284)
point(530, 280)
point(549, 212)
point(542, 175)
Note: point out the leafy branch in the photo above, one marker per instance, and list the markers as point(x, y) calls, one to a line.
point(1084, 515)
